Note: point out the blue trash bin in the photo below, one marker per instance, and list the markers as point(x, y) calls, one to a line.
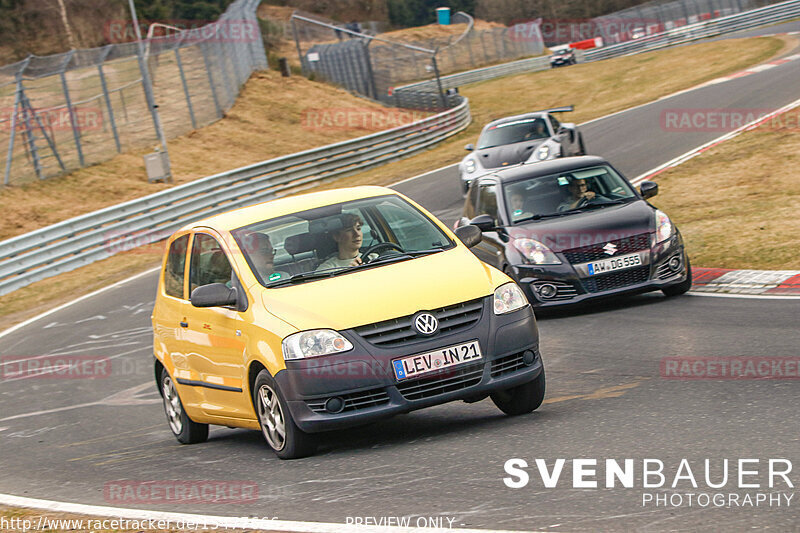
point(443, 14)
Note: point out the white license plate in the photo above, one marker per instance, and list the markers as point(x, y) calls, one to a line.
point(614, 263)
point(423, 363)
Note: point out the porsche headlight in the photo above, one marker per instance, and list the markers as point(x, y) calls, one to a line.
point(469, 166)
point(543, 152)
point(314, 343)
point(536, 252)
point(663, 226)
point(508, 298)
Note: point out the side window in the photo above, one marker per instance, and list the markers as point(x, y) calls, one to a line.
point(556, 124)
point(209, 263)
point(176, 261)
point(487, 200)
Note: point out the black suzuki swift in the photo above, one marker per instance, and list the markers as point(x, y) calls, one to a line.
point(573, 229)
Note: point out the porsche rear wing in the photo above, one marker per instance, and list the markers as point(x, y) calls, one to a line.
point(565, 109)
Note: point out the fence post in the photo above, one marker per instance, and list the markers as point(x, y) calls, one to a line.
point(483, 46)
point(107, 97)
point(183, 82)
point(438, 80)
point(27, 111)
point(211, 79)
point(75, 130)
point(13, 132)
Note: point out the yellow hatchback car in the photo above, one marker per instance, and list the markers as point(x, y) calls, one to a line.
point(333, 309)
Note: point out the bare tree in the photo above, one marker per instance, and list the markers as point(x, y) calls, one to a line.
point(67, 28)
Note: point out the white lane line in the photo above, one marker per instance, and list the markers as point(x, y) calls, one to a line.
point(424, 174)
point(73, 302)
point(698, 150)
point(744, 296)
point(215, 522)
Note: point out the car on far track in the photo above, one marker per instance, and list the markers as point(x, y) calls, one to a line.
point(528, 138)
point(562, 56)
point(575, 229)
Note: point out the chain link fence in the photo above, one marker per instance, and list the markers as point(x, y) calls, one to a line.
point(66, 111)
point(372, 66)
point(657, 16)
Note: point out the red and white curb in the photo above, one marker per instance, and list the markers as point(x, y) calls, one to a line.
point(762, 282)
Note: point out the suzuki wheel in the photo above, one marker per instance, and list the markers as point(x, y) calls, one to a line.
point(682, 287)
point(184, 428)
point(521, 399)
point(281, 433)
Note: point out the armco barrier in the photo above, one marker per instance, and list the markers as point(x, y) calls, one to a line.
point(88, 238)
point(730, 24)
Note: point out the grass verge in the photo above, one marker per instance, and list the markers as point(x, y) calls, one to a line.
point(614, 80)
point(737, 204)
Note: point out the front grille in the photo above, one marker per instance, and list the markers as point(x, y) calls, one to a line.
point(400, 331)
point(353, 401)
point(594, 252)
point(564, 291)
point(507, 365)
point(446, 381)
point(615, 280)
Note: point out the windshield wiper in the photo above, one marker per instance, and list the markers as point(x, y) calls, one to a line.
point(417, 253)
point(546, 215)
point(303, 276)
point(608, 202)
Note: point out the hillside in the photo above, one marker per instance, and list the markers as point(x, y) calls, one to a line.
point(273, 116)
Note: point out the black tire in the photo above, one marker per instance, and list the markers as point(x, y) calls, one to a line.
point(682, 287)
point(186, 430)
point(274, 417)
point(581, 146)
point(521, 399)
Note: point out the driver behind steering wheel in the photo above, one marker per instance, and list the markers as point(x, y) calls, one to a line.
point(579, 194)
point(348, 240)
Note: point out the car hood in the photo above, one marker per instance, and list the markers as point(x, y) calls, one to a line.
point(589, 227)
point(384, 292)
point(507, 154)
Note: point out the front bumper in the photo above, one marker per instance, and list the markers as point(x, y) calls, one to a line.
point(363, 379)
point(572, 289)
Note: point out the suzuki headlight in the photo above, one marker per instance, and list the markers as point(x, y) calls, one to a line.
point(314, 343)
point(663, 226)
point(536, 252)
point(543, 152)
point(469, 166)
point(508, 298)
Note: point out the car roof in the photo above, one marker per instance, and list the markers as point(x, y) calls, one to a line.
point(544, 168)
point(244, 216)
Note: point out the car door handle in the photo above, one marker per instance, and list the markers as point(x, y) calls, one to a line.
point(184, 324)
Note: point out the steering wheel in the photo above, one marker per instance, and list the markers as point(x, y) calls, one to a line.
point(381, 246)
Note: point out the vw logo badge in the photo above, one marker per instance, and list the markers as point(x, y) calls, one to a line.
point(426, 323)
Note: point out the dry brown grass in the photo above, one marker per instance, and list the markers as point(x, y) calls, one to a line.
point(737, 204)
point(273, 117)
point(645, 72)
point(437, 32)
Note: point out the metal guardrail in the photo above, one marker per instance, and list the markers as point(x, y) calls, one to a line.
point(730, 24)
point(88, 238)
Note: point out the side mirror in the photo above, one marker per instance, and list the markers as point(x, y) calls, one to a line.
point(648, 189)
point(213, 295)
point(470, 147)
point(483, 222)
point(470, 235)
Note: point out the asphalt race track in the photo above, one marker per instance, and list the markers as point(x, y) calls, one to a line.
point(67, 439)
